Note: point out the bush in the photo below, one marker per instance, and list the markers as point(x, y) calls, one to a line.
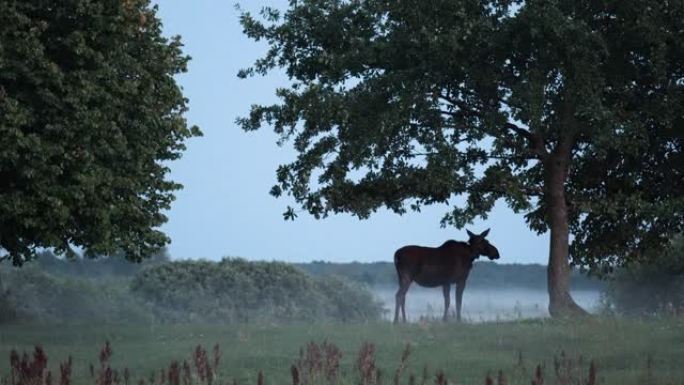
point(347, 301)
point(235, 290)
point(36, 295)
point(8, 309)
point(654, 286)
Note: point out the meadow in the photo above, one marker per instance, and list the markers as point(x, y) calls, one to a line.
point(623, 351)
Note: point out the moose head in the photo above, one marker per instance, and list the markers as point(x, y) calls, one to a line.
point(481, 246)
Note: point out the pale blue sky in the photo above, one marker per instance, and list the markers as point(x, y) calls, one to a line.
point(225, 208)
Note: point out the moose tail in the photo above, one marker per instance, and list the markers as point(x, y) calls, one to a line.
point(398, 263)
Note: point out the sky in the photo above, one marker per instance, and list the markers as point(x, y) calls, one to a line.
point(225, 209)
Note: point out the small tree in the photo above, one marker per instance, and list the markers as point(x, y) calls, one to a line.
point(570, 111)
point(90, 115)
point(652, 287)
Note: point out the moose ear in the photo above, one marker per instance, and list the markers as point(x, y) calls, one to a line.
point(471, 235)
point(484, 234)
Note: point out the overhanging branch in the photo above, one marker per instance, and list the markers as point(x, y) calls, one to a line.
point(536, 142)
point(528, 191)
point(463, 107)
point(486, 156)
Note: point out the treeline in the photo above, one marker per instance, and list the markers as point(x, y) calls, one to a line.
point(235, 290)
point(485, 274)
point(100, 267)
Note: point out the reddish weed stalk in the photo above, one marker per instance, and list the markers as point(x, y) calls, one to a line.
point(105, 375)
point(365, 362)
point(310, 363)
point(202, 365)
point(295, 375)
point(331, 366)
point(402, 364)
point(28, 371)
point(317, 363)
point(65, 372)
point(440, 379)
point(571, 372)
point(592, 374)
point(538, 378)
point(260, 378)
point(500, 379)
point(187, 380)
point(174, 373)
point(564, 368)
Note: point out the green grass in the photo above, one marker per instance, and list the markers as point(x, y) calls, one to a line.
point(465, 352)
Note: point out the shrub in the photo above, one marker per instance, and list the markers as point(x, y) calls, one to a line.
point(235, 290)
point(7, 307)
point(654, 286)
point(37, 295)
point(347, 301)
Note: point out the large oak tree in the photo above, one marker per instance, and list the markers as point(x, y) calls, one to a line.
point(90, 115)
point(570, 111)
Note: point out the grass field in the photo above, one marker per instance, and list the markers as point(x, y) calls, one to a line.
point(465, 352)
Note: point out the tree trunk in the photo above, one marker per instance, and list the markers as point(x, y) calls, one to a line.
point(561, 303)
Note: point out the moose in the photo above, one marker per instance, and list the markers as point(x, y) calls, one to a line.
point(439, 266)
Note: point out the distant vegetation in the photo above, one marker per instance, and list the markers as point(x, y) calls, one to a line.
point(654, 286)
point(235, 290)
point(34, 294)
point(229, 291)
point(487, 275)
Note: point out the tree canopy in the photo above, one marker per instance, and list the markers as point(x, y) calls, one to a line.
point(90, 116)
point(570, 111)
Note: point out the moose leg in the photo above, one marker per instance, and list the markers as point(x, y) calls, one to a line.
point(397, 304)
point(460, 286)
point(446, 289)
point(401, 300)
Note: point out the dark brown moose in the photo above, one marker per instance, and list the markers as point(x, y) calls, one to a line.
point(439, 266)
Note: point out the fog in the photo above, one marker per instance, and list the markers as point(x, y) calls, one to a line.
point(480, 305)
